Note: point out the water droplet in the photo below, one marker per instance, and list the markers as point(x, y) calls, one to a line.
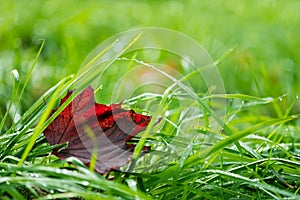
point(203, 129)
point(268, 98)
point(167, 113)
point(297, 97)
point(15, 73)
point(44, 184)
point(131, 184)
point(51, 191)
point(64, 171)
point(206, 161)
point(85, 183)
point(280, 98)
point(34, 175)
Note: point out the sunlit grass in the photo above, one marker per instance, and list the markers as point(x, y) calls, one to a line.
point(258, 154)
point(255, 156)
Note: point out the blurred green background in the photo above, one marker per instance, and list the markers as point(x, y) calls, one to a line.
point(265, 34)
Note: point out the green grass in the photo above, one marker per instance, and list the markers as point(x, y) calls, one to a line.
point(245, 144)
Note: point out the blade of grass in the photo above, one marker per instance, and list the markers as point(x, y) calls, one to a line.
point(14, 94)
point(38, 128)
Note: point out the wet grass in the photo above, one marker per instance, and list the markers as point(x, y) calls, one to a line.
point(254, 154)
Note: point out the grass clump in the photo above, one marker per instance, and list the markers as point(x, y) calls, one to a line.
point(240, 144)
point(250, 155)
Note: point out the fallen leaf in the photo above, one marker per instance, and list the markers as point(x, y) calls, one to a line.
point(112, 127)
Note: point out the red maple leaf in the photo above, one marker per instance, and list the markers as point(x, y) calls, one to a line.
point(111, 125)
